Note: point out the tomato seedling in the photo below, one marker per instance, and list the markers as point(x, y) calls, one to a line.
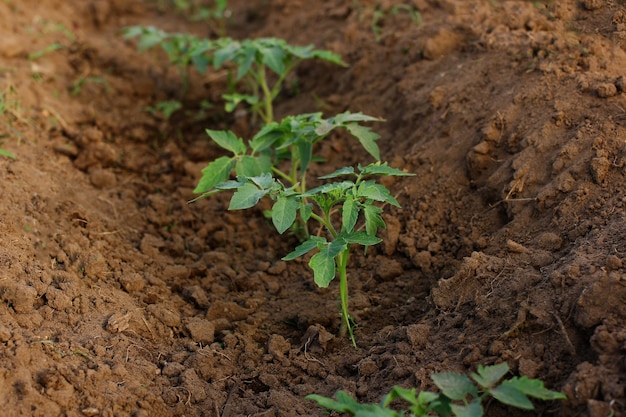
point(459, 396)
point(346, 210)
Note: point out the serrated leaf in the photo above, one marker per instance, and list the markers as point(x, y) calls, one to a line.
point(305, 153)
point(383, 169)
point(227, 140)
point(246, 61)
point(361, 238)
point(330, 57)
point(473, 409)
point(246, 196)
point(327, 188)
point(323, 266)
point(264, 181)
point(510, 395)
point(377, 192)
point(323, 127)
point(489, 376)
point(305, 247)
point(454, 386)
point(373, 219)
point(347, 117)
point(266, 137)
point(252, 166)
point(350, 214)
point(337, 246)
point(367, 137)
point(340, 172)
point(284, 213)
point(214, 173)
point(533, 388)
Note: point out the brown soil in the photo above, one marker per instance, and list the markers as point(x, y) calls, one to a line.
point(120, 299)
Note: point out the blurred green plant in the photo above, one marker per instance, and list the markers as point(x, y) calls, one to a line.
point(459, 396)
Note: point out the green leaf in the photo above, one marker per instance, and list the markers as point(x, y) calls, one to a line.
point(305, 247)
point(350, 214)
point(473, 409)
point(454, 386)
point(274, 58)
point(284, 213)
point(227, 140)
point(246, 196)
point(251, 166)
point(328, 188)
point(338, 173)
point(510, 395)
point(373, 219)
point(377, 192)
point(347, 117)
point(361, 238)
point(305, 212)
point(7, 154)
point(323, 266)
point(226, 53)
point(330, 57)
point(346, 404)
point(367, 137)
point(266, 137)
point(383, 169)
point(533, 388)
point(246, 63)
point(337, 246)
point(214, 173)
point(489, 376)
point(263, 181)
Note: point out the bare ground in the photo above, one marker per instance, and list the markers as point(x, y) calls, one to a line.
point(120, 299)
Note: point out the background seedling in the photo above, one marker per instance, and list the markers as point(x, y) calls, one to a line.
point(253, 59)
point(346, 209)
point(459, 396)
point(261, 65)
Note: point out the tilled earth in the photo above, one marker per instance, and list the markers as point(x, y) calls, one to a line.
point(118, 298)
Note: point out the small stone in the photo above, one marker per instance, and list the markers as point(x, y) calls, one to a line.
point(5, 334)
point(613, 263)
point(118, 322)
point(90, 411)
point(165, 315)
point(515, 247)
point(600, 167)
point(418, 335)
point(172, 369)
point(606, 90)
point(367, 367)
point(102, 178)
point(592, 4)
point(132, 282)
point(201, 331)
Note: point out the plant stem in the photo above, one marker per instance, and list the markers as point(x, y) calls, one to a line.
point(342, 266)
point(268, 117)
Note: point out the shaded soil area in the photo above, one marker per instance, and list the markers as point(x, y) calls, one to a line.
point(118, 298)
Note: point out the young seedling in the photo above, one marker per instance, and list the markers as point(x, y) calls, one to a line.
point(345, 210)
point(182, 50)
point(253, 59)
point(459, 396)
point(284, 149)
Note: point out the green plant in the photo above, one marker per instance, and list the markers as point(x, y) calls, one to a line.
point(250, 62)
point(459, 396)
point(165, 108)
point(253, 59)
point(379, 16)
point(285, 149)
point(336, 207)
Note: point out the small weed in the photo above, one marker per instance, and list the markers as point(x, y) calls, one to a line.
point(459, 396)
point(45, 51)
point(165, 108)
point(78, 85)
